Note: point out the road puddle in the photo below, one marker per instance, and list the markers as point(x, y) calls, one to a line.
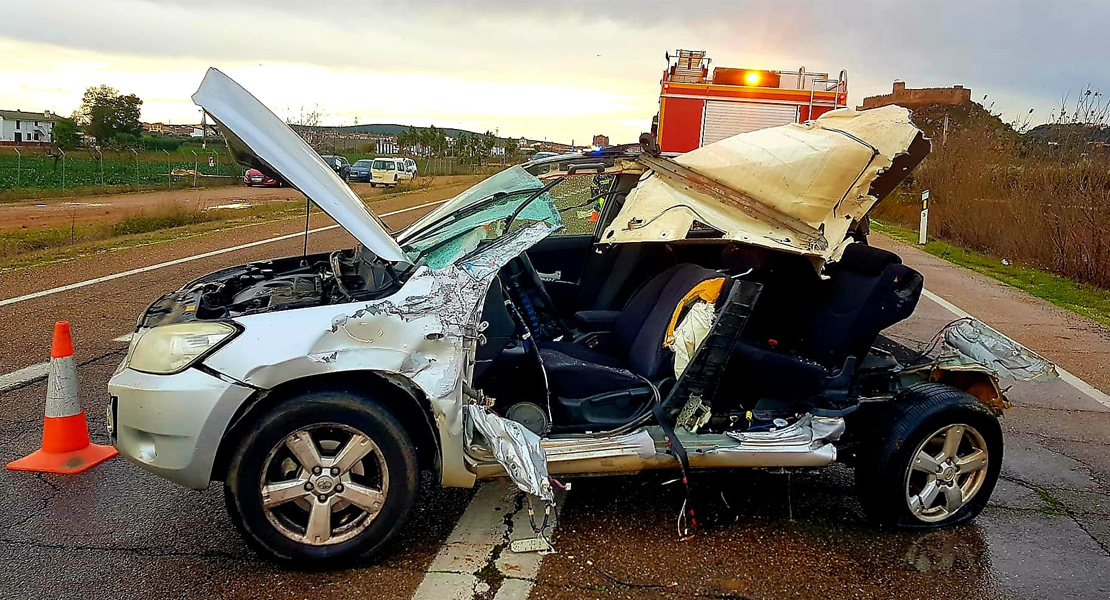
point(799, 537)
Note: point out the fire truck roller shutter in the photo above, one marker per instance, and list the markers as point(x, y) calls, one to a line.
point(725, 119)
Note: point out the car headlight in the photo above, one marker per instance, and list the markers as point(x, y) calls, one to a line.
point(172, 348)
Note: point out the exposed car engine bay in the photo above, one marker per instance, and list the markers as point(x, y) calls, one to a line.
point(278, 284)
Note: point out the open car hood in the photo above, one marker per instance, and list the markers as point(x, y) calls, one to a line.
point(260, 139)
point(796, 188)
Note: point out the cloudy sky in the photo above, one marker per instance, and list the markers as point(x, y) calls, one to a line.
point(560, 70)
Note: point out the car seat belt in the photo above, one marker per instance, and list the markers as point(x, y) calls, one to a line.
point(687, 518)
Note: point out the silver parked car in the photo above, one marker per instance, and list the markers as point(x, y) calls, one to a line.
point(591, 313)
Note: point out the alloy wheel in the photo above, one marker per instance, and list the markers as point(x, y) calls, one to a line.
point(323, 484)
point(946, 471)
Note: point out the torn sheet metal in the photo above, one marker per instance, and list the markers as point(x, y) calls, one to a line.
point(423, 335)
point(970, 341)
point(809, 429)
point(824, 174)
point(516, 448)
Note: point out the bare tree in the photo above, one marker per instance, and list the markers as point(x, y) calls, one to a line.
point(307, 122)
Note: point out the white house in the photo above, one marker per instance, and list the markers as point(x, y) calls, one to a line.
point(387, 145)
point(18, 128)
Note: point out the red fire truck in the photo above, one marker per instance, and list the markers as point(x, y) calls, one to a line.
point(696, 109)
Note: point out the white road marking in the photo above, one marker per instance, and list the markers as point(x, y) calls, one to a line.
point(23, 376)
point(482, 527)
point(81, 284)
point(34, 373)
point(1077, 383)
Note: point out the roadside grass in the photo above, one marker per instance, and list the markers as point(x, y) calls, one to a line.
point(19, 249)
point(1082, 299)
point(421, 183)
point(32, 247)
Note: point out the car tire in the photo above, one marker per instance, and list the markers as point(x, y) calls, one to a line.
point(894, 472)
point(264, 457)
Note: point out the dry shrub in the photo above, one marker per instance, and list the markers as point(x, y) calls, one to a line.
point(1043, 204)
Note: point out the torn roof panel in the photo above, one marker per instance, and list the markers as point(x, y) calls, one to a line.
point(804, 181)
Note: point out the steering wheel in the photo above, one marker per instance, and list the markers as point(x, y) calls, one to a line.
point(529, 270)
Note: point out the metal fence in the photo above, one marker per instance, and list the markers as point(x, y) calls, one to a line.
point(31, 170)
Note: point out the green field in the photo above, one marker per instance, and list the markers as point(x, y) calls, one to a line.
point(148, 170)
point(38, 174)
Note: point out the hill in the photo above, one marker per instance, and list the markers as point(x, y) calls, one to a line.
point(380, 129)
point(930, 119)
point(1059, 132)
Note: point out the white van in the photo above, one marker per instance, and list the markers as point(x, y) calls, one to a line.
point(410, 165)
point(388, 172)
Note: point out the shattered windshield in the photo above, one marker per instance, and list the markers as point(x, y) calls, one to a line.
point(513, 178)
point(512, 198)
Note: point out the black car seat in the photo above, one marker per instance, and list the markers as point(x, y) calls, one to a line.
point(595, 389)
point(868, 290)
point(871, 290)
point(619, 271)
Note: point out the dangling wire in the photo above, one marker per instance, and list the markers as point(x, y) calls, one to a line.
point(539, 530)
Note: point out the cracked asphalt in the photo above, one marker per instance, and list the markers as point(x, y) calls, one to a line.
point(117, 532)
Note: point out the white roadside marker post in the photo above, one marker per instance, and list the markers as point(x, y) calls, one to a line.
point(923, 228)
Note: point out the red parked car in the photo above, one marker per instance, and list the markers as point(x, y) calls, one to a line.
point(255, 177)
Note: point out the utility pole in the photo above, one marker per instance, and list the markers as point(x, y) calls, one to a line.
point(136, 168)
point(196, 165)
point(64, 177)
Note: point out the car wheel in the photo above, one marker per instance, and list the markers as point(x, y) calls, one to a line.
point(322, 479)
point(937, 462)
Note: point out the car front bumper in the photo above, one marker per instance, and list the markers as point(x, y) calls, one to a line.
point(171, 425)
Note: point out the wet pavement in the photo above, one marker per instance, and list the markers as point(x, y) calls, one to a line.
point(1045, 533)
point(118, 532)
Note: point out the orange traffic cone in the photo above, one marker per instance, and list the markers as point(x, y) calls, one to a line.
point(65, 434)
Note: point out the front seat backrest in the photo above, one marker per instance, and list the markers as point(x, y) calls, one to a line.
point(868, 290)
point(639, 331)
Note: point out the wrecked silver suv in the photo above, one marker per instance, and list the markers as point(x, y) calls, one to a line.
point(592, 313)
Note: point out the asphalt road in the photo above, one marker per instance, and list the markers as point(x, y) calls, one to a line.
point(117, 532)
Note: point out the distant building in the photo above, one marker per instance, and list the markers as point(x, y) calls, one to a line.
point(601, 140)
point(18, 128)
point(178, 130)
point(387, 145)
point(909, 97)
